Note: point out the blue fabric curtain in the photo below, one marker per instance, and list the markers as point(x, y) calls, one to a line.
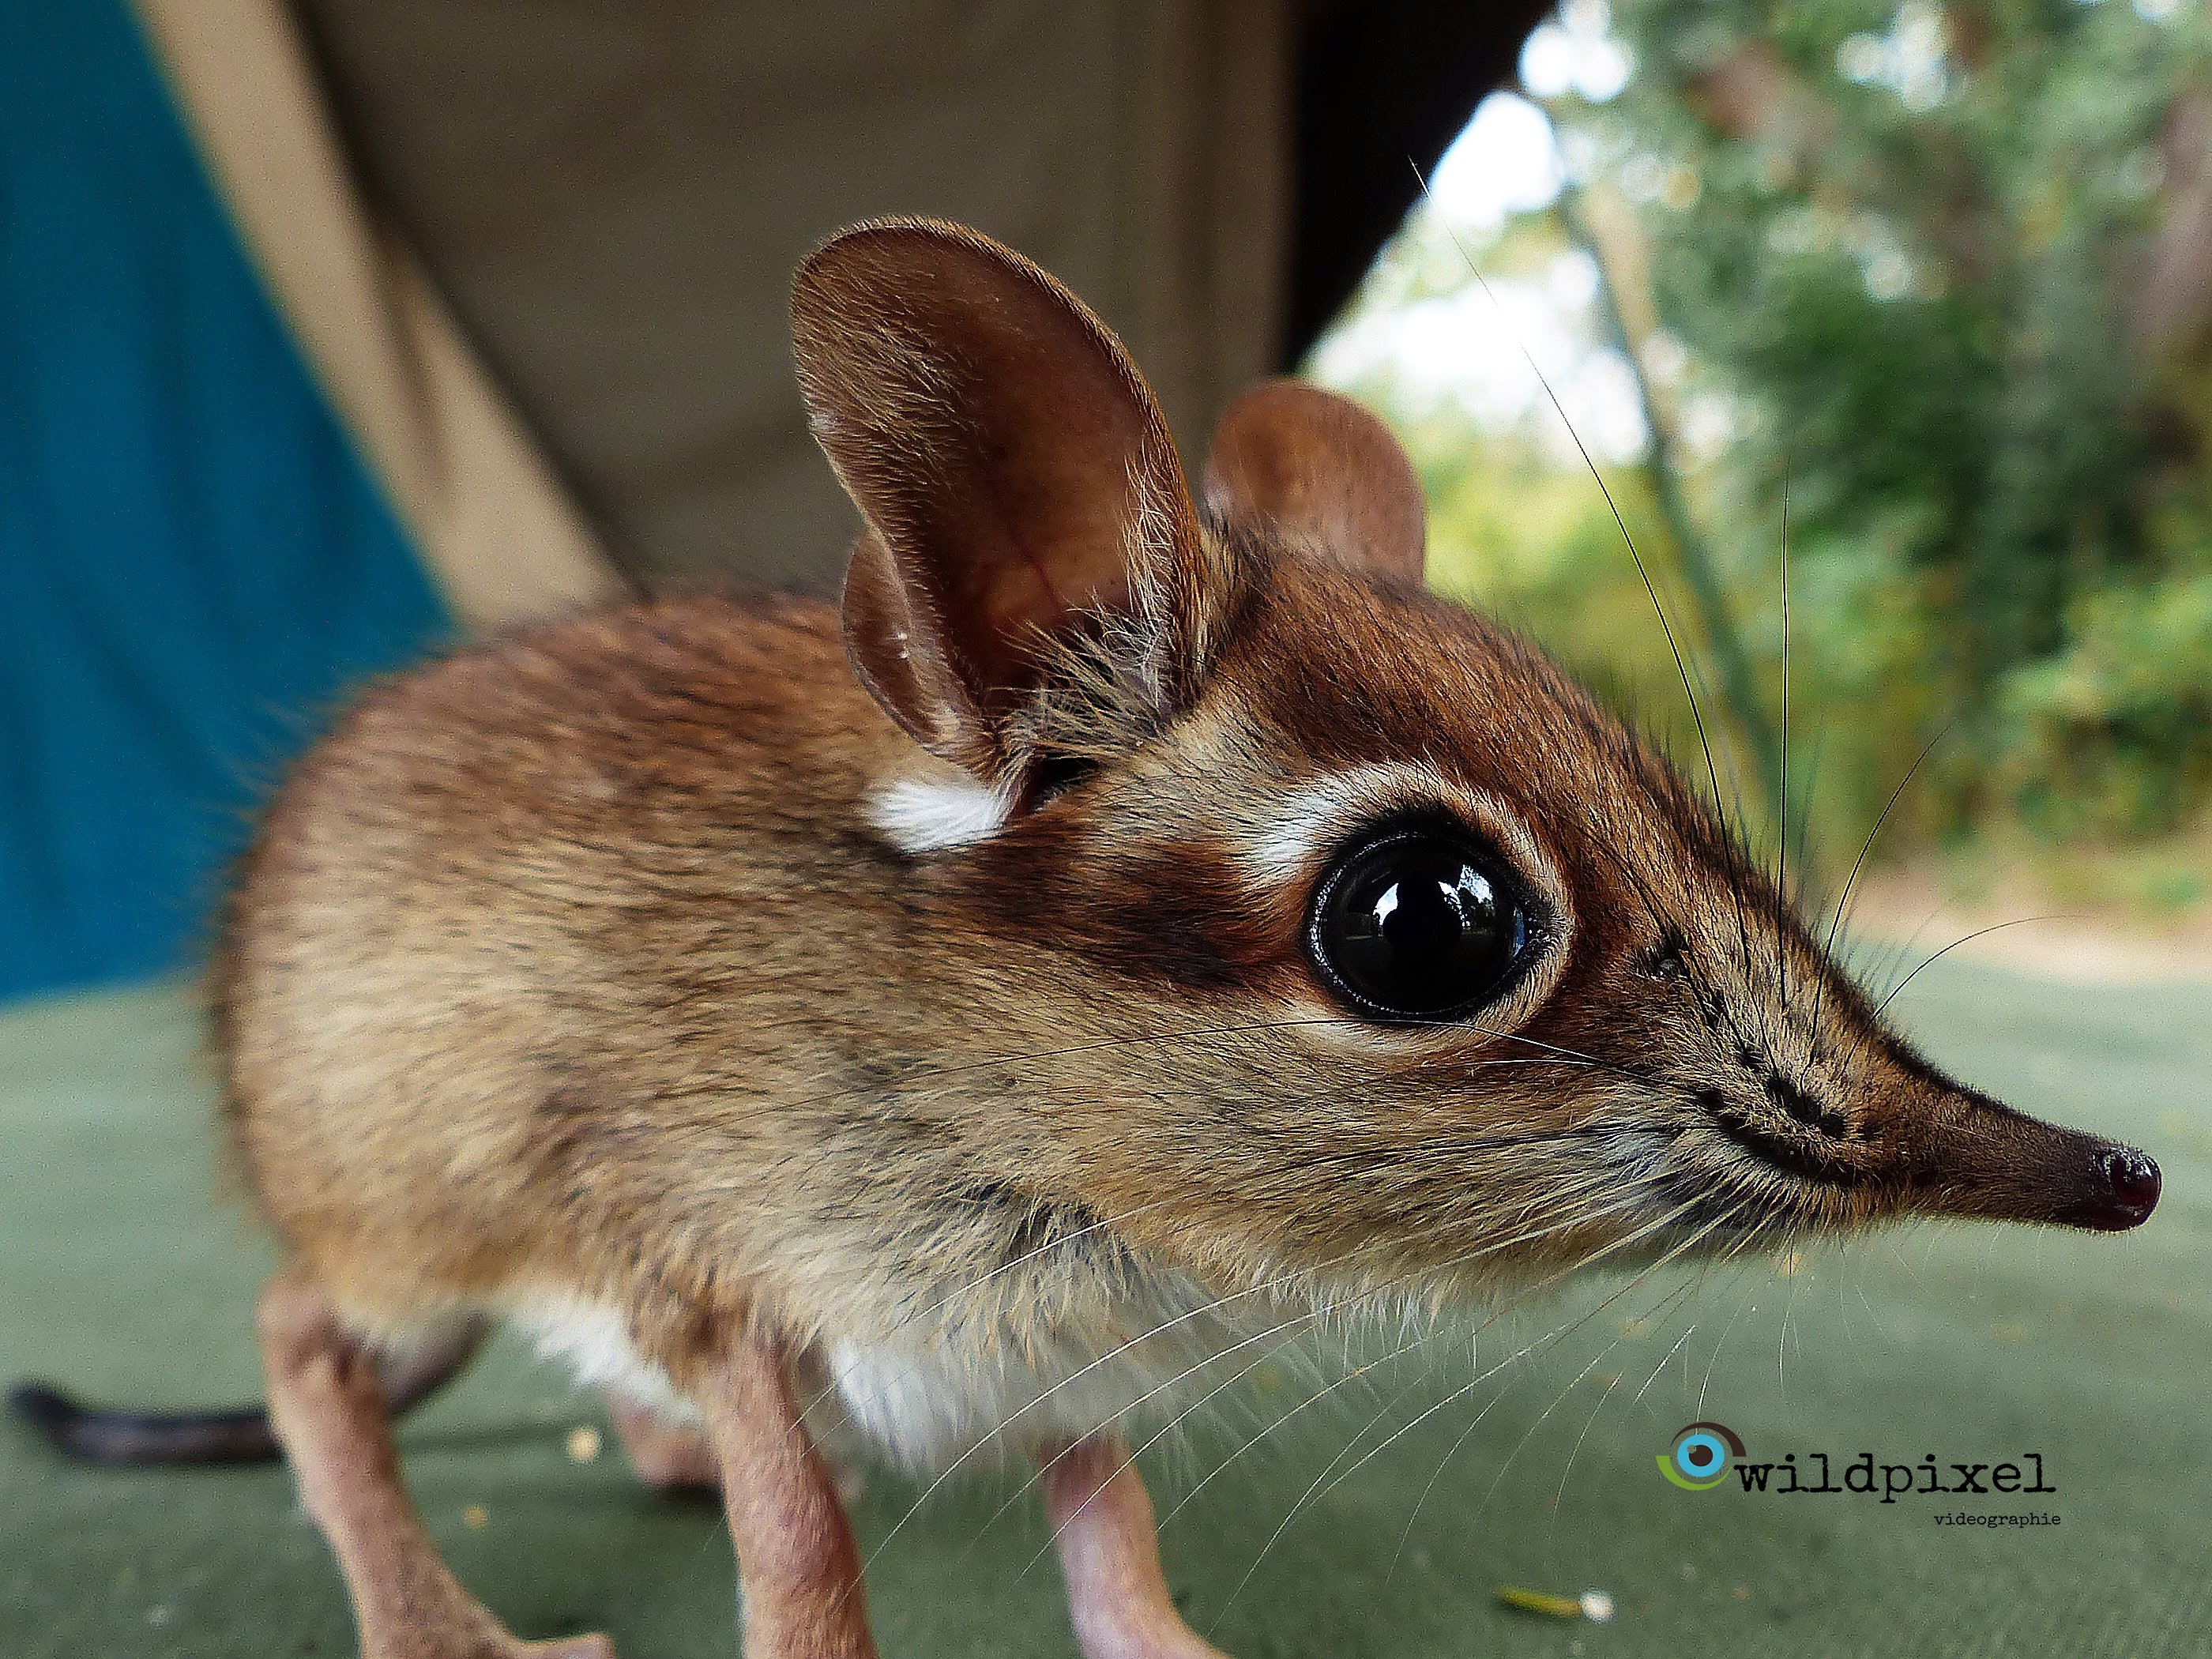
point(194, 565)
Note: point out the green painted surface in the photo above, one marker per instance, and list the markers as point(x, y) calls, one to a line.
point(123, 1272)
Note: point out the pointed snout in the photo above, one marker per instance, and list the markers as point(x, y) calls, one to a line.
point(1988, 1161)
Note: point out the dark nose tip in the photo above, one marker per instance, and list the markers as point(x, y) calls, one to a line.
point(2131, 1186)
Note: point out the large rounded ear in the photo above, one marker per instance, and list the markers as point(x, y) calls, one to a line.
point(1017, 478)
point(1318, 467)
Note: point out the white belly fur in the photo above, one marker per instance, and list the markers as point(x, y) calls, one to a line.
point(594, 1342)
point(924, 1405)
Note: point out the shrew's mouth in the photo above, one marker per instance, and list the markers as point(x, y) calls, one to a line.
point(1706, 1219)
point(1784, 1152)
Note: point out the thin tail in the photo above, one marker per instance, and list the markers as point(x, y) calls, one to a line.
point(231, 1437)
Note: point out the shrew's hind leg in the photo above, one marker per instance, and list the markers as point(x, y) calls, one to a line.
point(673, 1456)
point(667, 1457)
point(330, 1412)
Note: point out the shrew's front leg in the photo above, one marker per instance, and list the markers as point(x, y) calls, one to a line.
point(798, 1567)
point(1110, 1554)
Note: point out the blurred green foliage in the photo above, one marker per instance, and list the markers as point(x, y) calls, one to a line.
point(1945, 275)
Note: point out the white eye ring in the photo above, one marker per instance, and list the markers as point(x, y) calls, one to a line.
point(1291, 846)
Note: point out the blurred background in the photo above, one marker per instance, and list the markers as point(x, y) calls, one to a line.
point(1906, 309)
point(335, 332)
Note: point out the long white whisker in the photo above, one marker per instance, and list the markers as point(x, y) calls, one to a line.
point(1577, 1218)
point(1214, 1306)
point(1306, 1497)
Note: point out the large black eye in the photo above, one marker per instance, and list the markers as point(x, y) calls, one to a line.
point(1421, 923)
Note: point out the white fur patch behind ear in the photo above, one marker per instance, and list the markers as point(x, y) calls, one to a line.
point(930, 815)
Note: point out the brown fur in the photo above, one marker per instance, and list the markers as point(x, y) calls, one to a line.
point(1303, 462)
point(575, 966)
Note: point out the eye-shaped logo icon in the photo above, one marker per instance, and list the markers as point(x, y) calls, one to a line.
point(1698, 1459)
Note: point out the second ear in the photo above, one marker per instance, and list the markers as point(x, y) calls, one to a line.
point(1315, 466)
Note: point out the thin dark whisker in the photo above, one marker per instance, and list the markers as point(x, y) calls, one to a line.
point(1805, 816)
point(1979, 932)
point(1782, 783)
point(1843, 899)
point(1681, 668)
